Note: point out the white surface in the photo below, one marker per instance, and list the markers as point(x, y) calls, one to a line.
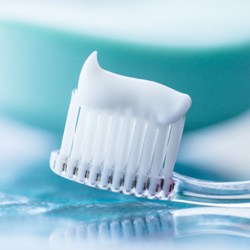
point(21, 144)
point(163, 22)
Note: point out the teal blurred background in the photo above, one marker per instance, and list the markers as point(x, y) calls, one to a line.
point(200, 48)
point(42, 52)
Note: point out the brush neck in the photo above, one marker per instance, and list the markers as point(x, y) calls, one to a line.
point(201, 192)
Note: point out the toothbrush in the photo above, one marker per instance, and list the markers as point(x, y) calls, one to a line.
point(122, 134)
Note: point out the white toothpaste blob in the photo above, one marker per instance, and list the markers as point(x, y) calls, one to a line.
point(101, 89)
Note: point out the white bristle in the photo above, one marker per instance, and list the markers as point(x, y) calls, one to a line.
point(160, 150)
point(158, 158)
point(134, 154)
point(101, 140)
point(121, 153)
point(89, 138)
point(79, 132)
point(111, 152)
point(69, 130)
point(146, 157)
point(68, 135)
point(75, 153)
point(171, 153)
point(99, 147)
point(86, 147)
point(124, 143)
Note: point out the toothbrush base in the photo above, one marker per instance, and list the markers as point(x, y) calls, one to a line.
point(151, 188)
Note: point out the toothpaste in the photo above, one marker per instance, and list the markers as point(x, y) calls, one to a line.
point(110, 92)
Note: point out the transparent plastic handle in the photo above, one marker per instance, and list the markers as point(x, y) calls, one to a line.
point(201, 192)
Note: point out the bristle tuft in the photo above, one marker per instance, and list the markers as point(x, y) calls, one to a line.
point(119, 153)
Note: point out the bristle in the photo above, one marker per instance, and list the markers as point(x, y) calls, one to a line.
point(160, 150)
point(86, 148)
point(146, 157)
point(134, 154)
point(75, 153)
point(172, 150)
point(111, 152)
point(122, 153)
point(69, 130)
point(68, 135)
point(158, 159)
point(125, 137)
point(100, 146)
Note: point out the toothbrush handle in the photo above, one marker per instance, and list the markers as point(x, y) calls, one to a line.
point(201, 192)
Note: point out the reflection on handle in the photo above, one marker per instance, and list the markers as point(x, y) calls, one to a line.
point(160, 225)
point(200, 192)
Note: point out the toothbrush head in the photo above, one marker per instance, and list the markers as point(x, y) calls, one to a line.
point(122, 134)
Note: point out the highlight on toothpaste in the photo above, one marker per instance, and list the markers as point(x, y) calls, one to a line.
point(122, 133)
